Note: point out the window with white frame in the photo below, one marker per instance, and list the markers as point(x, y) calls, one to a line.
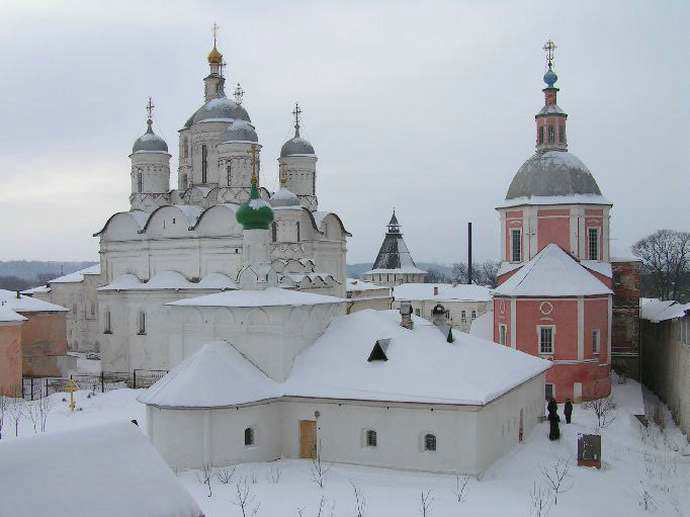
point(549, 391)
point(463, 316)
point(546, 335)
point(596, 341)
point(516, 245)
point(106, 322)
point(503, 334)
point(474, 315)
point(593, 244)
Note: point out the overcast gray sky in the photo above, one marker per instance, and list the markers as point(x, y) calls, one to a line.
point(425, 106)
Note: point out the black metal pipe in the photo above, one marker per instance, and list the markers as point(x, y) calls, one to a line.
point(469, 253)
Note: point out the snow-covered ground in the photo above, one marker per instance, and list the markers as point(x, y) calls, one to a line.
point(635, 460)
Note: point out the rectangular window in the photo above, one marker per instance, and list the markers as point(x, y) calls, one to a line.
point(463, 316)
point(142, 323)
point(417, 312)
point(541, 135)
point(204, 164)
point(552, 134)
point(516, 247)
point(106, 324)
point(474, 315)
point(503, 334)
point(545, 340)
point(561, 134)
point(299, 236)
point(593, 245)
point(229, 170)
point(274, 232)
point(549, 391)
point(372, 439)
point(596, 337)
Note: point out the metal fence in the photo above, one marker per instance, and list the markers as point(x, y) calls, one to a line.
point(37, 387)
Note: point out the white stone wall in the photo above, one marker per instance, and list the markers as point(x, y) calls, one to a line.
point(154, 168)
point(469, 438)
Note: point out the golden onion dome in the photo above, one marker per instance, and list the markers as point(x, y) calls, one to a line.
point(215, 57)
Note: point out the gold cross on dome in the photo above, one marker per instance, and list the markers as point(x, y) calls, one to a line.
point(550, 49)
point(149, 108)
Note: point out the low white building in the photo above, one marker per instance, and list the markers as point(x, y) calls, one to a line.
point(368, 391)
point(366, 295)
point(107, 470)
point(462, 303)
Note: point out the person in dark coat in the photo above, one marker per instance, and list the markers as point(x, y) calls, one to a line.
point(568, 411)
point(554, 430)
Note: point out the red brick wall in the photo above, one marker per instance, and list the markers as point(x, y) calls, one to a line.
point(10, 359)
point(44, 338)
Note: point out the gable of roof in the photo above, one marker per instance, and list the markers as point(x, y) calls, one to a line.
point(552, 272)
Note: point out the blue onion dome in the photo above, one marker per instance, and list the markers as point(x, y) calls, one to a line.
point(240, 131)
point(255, 214)
point(219, 109)
point(296, 146)
point(150, 141)
point(550, 77)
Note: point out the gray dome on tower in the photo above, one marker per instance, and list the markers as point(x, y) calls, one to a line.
point(150, 141)
point(553, 173)
point(219, 109)
point(297, 146)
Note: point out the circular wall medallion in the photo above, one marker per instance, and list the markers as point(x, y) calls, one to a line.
point(546, 308)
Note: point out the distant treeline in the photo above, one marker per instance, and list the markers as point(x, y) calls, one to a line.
point(24, 274)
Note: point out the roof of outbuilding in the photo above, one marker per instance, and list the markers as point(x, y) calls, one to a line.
point(27, 303)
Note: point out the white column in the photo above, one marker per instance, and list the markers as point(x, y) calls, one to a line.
point(580, 328)
point(502, 239)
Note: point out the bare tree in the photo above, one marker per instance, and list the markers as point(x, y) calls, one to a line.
point(645, 500)
point(225, 474)
point(32, 411)
point(604, 410)
point(489, 273)
point(461, 487)
point(16, 412)
point(205, 475)
point(4, 403)
point(274, 474)
point(245, 498)
point(539, 501)
point(425, 503)
point(319, 469)
point(557, 477)
point(665, 257)
point(360, 501)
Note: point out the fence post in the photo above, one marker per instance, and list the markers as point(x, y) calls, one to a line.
point(134, 378)
point(102, 383)
point(32, 387)
point(46, 386)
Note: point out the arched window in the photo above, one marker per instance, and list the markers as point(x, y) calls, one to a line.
point(372, 439)
point(204, 164)
point(463, 316)
point(541, 135)
point(142, 323)
point(248, 437)
point(552, 134)
point(140, 182)
point(561, 134)
point(299, 237)
point(274, 232)
point(228, 168)
point(474, 315)
point(429, 442)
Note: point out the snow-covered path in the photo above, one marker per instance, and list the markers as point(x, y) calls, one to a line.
point(635, 459)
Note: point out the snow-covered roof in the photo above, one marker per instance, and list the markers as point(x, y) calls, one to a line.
point(603, 268)
point(446, 292)
point(552, 272)
point(422, 366)
point(354, 284)
point(269, 297)
point(108, 470)
point(37, 290)
point(7, 315)
point(216, 376)
point(169, 280)
point(655, 310)
point(27, 303)
point(77, 276)
point(400, 270)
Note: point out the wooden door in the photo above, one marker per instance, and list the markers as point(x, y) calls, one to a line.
point(307, 438)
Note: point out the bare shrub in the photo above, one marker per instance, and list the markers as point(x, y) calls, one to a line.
point(225, 474)
point(16, 411)
point(425, 501)
point(319, 469)
point(604, 411)
point(4, 403)
point(557, 477)
point(460, 491)
point(360, 501)
point(245, 498)
point(205, 475)
point(539, 500)
point(645, 499)
point(253, 478)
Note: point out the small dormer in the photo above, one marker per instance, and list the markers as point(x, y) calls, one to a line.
point(380, 350)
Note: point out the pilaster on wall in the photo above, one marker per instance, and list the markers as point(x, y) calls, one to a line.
point(580, 328)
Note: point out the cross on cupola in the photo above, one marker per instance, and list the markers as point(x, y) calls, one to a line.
point(149, 112)
point(551, 119)
point(297, 112)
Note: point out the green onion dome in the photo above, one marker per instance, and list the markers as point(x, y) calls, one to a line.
point(255, 214)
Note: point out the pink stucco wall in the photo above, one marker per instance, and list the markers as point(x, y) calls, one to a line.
point(10, 359)
point(44, 339)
